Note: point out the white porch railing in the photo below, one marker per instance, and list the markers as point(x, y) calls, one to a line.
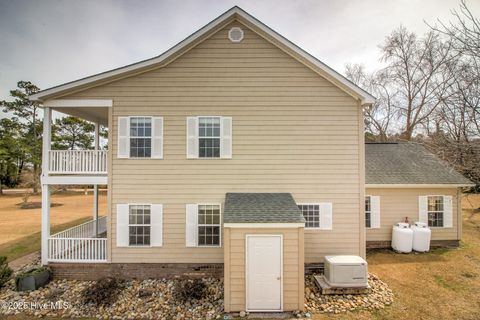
point(84, 230)
point(77, 162)
point(79, 244)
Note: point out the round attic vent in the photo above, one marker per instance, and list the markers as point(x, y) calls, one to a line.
point(235, 34)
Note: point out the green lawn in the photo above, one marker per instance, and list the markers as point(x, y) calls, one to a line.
point(31, 243)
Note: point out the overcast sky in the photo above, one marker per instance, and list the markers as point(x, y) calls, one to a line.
point(50, 42)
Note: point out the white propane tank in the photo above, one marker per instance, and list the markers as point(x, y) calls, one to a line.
point(421, 237)
point(402, 237)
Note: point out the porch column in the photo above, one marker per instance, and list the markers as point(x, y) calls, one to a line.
point(95, 187)
point(46, 141)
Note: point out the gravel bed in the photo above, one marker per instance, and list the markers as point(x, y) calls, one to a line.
point(155, 299)
point(380, 296)
point(148, 299)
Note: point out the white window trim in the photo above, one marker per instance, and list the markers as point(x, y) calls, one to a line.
point(221, 133)
point(140, 204)
point(219, 225)
point(365, 217)
point(311, 204)
point(443, 212)
point(151, 137)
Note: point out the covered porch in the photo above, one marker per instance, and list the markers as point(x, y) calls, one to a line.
point(87, 242)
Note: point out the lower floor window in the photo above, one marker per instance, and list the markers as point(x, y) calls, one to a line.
point(435, 211)
point(368, 212)
point(208, 225)
point(139, 225)
point(311, 213)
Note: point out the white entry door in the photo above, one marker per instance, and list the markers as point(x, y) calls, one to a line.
point(264, 272)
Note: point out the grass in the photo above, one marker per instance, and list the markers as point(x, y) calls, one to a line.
point(31, 243)
point(441, 284)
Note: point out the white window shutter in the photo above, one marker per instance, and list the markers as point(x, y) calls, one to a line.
point(192, 137)
point(447, 212)
point(123, 148)
point(191, 225)
point(157, 138)
point(156, 225)
point(226, 137)
point(423, 209)
point(122, 225)
point(326, 219)
point(375, 212)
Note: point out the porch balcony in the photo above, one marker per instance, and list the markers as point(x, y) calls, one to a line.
point(77, 162)
point(85, 243)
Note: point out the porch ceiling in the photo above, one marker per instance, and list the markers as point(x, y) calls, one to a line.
point(93, 114)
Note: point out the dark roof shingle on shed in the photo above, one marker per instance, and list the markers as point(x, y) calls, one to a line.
point(261, 208)
point(407, 163)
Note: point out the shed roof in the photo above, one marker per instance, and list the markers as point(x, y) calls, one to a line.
point(407, 163)
point(261, 208)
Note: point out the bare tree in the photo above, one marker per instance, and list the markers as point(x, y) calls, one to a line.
point(416, 68)
point(456, 137)
point(380, 116)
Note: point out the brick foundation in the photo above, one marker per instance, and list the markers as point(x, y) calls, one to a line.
point(433, 244)
point(141, 271)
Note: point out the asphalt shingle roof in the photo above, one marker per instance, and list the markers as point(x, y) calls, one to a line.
point(407, 163)
point(261, 208)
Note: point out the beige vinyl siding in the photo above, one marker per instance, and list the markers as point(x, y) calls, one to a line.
point(396, 204)
point(292, 267)
point(293, 131)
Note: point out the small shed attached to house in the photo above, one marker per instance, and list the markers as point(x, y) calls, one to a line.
point(263, 252)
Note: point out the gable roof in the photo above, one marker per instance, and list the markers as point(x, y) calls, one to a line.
point(407, 163)
point(234, 13)
point(261, 208)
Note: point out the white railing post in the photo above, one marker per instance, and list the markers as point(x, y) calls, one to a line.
point(46, 142)
point(95, 187)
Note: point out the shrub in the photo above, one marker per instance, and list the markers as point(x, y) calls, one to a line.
point(103, 292)
point(5, 271)
point(186, 290)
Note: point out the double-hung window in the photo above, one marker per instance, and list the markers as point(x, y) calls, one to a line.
point(209, 137)
point(139, 225)
point(311, 213)
point(368, 212)
point(435, 210)
point(140, 137)
point(203, 225)
point(208, 225)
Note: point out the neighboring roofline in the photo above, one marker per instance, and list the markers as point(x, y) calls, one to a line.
point(364, 96)
point(264, 225)
point(418, 186)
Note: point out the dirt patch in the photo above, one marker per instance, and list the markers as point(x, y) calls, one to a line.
point(36, 205)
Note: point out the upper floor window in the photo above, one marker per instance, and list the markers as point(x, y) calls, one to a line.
point(435, 211)
point(209, 137)
point(140, 137)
